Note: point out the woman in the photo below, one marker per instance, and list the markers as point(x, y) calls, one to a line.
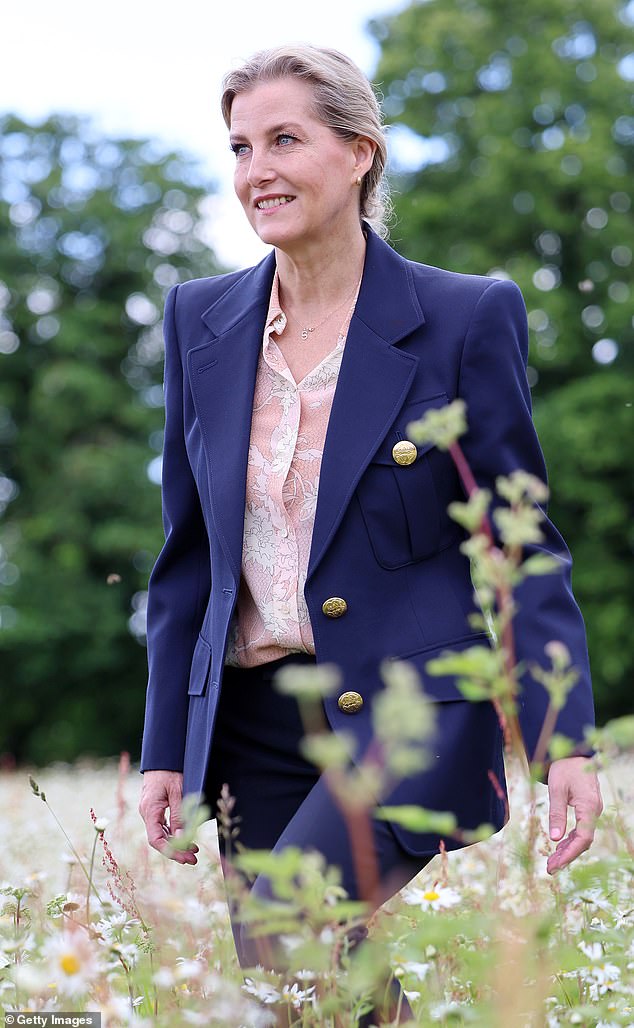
point(293, 532)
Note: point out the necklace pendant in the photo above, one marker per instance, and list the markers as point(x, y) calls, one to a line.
point(305, 332)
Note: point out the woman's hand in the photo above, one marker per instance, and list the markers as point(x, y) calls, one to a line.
point(571, 782)
point(163, 789)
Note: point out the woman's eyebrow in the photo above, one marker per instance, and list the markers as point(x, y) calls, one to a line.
point(286, 126)
point(274, 130)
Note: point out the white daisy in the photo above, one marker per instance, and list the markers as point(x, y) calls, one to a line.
point(442, 1011)
point(437, 897)
point(606, 977)
point(592, 950)
point(261, 990)
point(293, 994)
point(73, 962)
point(413, 968)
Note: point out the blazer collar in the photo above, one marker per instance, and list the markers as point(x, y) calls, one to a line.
point(246, 296)
point(387, 302)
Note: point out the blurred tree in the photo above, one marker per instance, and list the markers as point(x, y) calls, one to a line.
point(514, 127)
point(93, 231)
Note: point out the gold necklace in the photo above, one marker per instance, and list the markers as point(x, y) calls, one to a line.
point(307, 329)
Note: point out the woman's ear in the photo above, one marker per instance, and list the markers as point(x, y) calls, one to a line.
point(364, 149)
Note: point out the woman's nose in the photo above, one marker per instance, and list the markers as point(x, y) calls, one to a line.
point(260, 169)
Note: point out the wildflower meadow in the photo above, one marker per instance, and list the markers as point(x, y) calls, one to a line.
point(482, 936)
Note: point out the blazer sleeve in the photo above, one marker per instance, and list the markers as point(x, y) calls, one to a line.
point(501, 438)
point(180, 581)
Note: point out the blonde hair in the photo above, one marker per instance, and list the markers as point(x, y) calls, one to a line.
point(343, 100)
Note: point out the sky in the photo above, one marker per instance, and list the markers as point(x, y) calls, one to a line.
point(153, 69)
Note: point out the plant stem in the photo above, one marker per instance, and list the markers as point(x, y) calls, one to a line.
point(92, 867)
point(73, 850)
point(469, 483)
point(510, 726)
point(548, 727)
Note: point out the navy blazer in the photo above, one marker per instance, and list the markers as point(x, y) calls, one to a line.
point(382, 538)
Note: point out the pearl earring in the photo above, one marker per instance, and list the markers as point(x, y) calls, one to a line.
point(359, 180)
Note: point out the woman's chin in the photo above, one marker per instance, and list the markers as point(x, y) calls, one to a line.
point(272, 236)
point(273, 233)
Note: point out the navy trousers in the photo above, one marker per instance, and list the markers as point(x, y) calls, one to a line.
point(281, 799)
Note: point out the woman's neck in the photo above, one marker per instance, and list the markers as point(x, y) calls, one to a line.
point(314, 281)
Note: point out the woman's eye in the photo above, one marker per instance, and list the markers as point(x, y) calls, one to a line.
point(284, 139)
point(239, 149)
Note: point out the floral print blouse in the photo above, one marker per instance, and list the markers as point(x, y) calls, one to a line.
point(288, 431)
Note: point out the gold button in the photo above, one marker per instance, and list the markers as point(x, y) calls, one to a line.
point(350, 702)
point(404, 452)
point(334, 607)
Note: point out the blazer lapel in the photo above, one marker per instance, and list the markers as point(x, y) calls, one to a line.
point(373, 382)
point(222, 377)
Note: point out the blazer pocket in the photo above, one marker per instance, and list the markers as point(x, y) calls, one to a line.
point(443, 688)
point(399, 503)
point(201, 662)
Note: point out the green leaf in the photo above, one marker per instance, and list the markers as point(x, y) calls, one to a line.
point(540, 564)
point(479, 834)
point(475, 661)
point(418, 819)
point(560, 747)
point(473, 692)
point(618, 732)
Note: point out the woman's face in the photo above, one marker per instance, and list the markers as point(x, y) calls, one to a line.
point(294, 177)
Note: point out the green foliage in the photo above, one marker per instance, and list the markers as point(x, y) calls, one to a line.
point(617, 736)
point(441, 427)
point(92, 233)
point(584, 428)
point(530, 110)
point(403, 720)
point(417, 819)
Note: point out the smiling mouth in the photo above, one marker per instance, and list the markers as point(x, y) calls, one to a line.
point(277, 201)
